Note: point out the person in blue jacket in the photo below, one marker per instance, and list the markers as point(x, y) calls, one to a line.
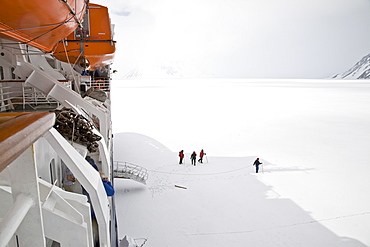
point(108, 186)
point(92, 162)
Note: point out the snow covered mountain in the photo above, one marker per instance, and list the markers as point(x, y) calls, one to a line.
point(361, 70)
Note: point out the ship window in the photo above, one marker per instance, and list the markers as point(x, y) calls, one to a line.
point(52, 243)
point(51, 62)
point(13, 75)
point(1, 73)
point(54, 173)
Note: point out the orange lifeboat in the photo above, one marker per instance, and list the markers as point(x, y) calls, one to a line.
point(40, 23)
point(91, 46)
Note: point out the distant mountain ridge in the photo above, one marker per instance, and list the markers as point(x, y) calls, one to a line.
point(171, 69)
point(157, 70)
point(361, 70)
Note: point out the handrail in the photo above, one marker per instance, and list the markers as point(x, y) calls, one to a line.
point(102, 83)
point(130, 171)
point(20, 130)
point(24, 95)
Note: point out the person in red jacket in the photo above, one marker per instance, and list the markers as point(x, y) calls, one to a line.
point(181, 155)
point(201, 154)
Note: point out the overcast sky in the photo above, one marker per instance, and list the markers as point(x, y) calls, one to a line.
point(239, 38)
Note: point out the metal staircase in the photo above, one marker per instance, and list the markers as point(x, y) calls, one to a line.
point(34, 98)
point(130, 171)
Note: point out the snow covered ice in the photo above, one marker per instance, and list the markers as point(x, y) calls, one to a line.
point(311, 135)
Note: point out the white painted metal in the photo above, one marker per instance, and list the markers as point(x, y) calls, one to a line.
point(88, 177)
point(58, 91)
point(14, 218)
point(24, 181)
point(26, 191)
point(6, 201)
point(45, 157)
point(42, 76)
point(56, 209)
point(104, 157)
point(77, 201)
point(55, 203)
point(40, 62)
point(103, 150)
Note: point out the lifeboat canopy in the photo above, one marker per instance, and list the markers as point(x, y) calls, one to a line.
point(40, 23)
point(91, 46)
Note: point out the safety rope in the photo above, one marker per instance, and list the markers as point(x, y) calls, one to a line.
point(58, 25)
point(35, 27)
point(48, 31)
point(69, 63)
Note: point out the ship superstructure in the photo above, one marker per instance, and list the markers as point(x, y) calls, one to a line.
point(55, 122)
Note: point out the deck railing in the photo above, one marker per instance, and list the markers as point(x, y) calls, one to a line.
point(102, 83)
point(23, 95)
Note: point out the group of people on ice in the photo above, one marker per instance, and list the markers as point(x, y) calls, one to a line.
point(193, 157)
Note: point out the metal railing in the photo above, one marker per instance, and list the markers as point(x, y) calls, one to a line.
point(130, 171)
point(15, 93)
point(102, 83)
